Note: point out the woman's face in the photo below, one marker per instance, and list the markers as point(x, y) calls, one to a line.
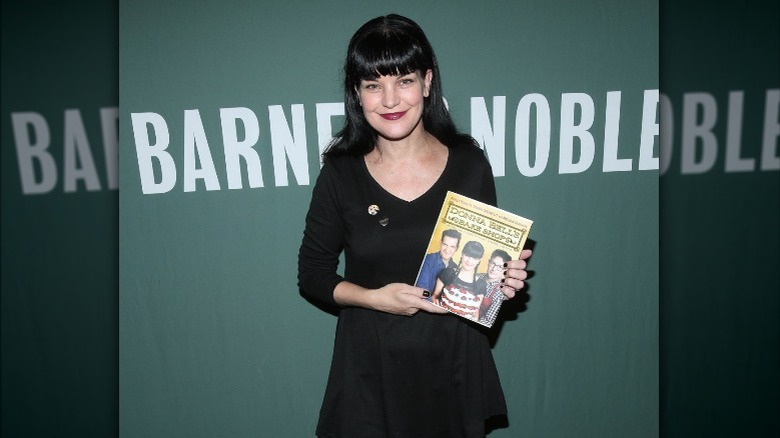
point(469, 263)
point(393, 105)
point(495, 268)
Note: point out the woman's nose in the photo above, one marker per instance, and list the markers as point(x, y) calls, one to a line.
point(389, 97)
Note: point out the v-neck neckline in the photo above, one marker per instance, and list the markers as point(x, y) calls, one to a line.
point(423, 195)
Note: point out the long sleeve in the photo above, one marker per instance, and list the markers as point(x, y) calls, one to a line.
point(318, 257)
point(488, 187)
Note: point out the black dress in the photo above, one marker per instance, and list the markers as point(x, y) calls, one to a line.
point(426, 375)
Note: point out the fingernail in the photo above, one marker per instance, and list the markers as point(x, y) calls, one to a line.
point(503, 280)
point(426, 293)
point(504, 272)
point(505, 265)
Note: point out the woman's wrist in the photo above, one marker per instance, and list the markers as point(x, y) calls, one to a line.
point(350, 294)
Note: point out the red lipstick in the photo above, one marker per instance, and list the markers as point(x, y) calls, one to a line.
point(393, 116)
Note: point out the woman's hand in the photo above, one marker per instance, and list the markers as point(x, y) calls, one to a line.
point(402, 299)
point(395, 298)
point(515, 274)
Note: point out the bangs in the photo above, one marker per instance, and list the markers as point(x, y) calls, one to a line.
point(387, 55)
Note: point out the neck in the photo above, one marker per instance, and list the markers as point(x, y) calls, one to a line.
point(466, 270)
point(466, 276)
point(408, 148)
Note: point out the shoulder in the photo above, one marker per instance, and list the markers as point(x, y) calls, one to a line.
point(340, 168)
point(337, 180)
point(469, 152)
point(341, 163)
point(470, 173)
point(429, 262)
point(446, 273)
point(431, 256)
point(469, 164)
point(480, 287)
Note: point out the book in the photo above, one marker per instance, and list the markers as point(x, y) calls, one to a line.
point(464, 262)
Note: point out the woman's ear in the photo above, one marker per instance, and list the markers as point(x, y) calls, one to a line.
point(427, 82)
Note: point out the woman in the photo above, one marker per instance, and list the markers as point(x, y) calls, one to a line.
point(459, 290)
point(491, 302)
point(402, 367)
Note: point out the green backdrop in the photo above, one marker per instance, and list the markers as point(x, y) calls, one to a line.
point(207, 357)
point(59, 229)
point(214, 337)
point(720, 220)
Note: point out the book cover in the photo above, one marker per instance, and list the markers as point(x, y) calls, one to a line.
point(464, 262)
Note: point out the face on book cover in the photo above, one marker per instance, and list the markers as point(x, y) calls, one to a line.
point(469, 263)
point(448, 247)
point(495, 268)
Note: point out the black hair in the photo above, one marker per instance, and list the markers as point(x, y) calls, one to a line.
point(390, 45)
point(501, 253)
point(455, 234)
point(474, 250)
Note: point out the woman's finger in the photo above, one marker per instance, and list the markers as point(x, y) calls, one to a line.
point(508, 291)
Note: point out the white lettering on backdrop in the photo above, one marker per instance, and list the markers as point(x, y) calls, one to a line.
point(288, 147)
point(68, 160)
point(38, 170)
point(576, 150)
point(699, 148)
